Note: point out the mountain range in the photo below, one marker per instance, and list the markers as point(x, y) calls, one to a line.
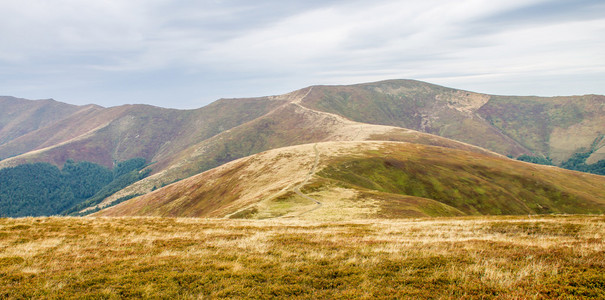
point(446, 147)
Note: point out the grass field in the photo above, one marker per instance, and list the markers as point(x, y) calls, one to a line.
point(478, 257)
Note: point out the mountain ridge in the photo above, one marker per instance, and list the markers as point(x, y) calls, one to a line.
point(288, 125)
point(111, 132)
point(442, 111)
point(21, 116)
point(183, 143)
point(469, 117)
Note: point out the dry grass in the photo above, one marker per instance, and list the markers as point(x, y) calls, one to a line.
point(381, 179)
point(480, 257)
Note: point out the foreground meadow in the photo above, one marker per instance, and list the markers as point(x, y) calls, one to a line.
point(491, 257)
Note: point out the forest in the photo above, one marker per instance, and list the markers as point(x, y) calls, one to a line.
point(576, 162)
point(42, 189)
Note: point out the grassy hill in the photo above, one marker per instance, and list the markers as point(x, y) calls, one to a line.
point(344, 180)
point(288, 125)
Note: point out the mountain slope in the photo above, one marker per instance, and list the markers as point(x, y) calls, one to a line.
point(371, 179)
point(290, 124)
point(557, 126)
point(105, 135)
point(20, 116)
point(182, 143)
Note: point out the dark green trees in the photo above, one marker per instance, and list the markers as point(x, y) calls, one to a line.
point(576, 162)
point(41, 189)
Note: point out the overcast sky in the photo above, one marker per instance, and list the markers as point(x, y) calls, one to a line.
point(188, 53)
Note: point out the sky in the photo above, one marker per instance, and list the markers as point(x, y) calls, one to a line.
point(187, 53)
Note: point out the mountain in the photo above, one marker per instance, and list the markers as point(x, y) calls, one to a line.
point(105, 135)
point(183, 143)
point(290, 124)
point(376, 179)
point(555, 127)
point(21, 116)
point(381, 111)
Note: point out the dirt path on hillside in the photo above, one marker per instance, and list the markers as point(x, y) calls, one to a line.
point(296, 189)
point(298, 102)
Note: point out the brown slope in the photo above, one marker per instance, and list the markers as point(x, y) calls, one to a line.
point(59, 132)
point(369, 180)
point(99, 136)
point(20, 116)
point(119, 133)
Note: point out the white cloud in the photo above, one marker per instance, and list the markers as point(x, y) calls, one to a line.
point(128, 50)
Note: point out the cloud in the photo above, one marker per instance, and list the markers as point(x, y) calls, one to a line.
point(114, 52)
point(545, 12)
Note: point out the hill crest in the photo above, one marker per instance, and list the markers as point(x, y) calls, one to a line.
point(371, 179)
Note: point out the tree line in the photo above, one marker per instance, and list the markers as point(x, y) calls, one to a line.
point(576, 162)
point(42, 189)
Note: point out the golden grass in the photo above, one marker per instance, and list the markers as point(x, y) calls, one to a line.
point(478, 257)
point(382, 179)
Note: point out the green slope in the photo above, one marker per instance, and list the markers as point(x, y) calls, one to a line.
point(470, 183)
point(555, 127)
